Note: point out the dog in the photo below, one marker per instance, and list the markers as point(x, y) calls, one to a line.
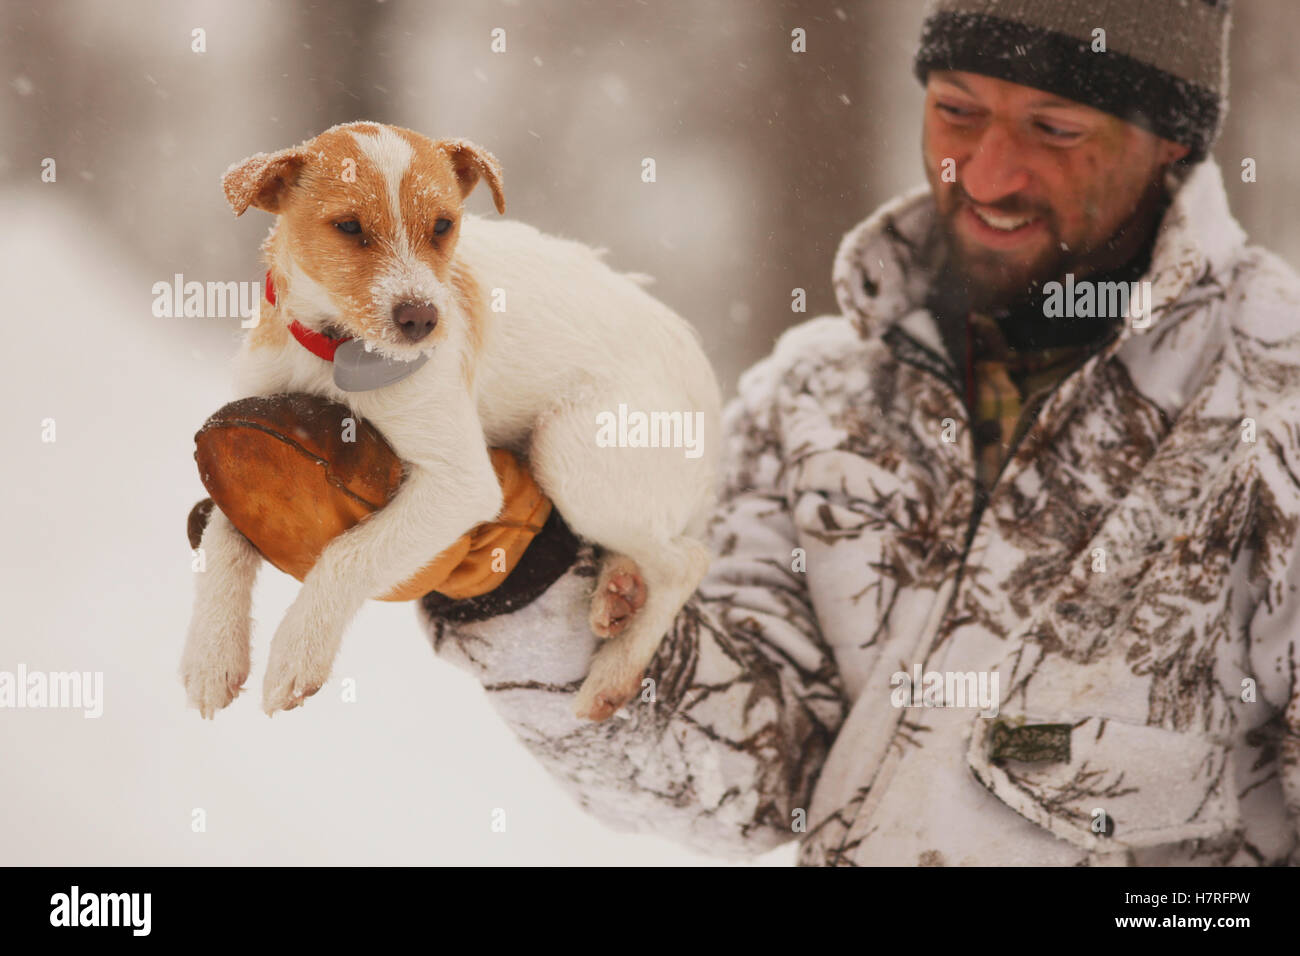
point(467, 333)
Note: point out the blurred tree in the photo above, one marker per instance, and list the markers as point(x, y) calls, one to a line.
point(1264, 88)
point(346, 52)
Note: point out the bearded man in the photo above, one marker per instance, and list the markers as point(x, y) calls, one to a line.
point(1006, 556)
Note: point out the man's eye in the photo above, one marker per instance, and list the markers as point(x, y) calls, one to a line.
point(1064, 135)
point(441, 226)
point(350, 226)
point(955, 111)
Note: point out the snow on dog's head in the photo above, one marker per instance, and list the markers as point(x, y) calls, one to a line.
point(369, 217)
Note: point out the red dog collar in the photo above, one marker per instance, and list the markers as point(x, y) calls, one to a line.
point(316, 343)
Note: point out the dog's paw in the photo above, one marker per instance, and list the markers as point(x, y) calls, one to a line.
point(612, 683)
point(620, 593)
point(215, 666)
point(290, 681)
point(299, 665)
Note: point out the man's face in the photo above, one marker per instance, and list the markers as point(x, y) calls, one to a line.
point(1044, 186)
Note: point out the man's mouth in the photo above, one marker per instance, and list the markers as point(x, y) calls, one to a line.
point(1003, 223)
point(999, 230)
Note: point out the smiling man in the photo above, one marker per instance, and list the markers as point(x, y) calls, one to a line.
point(995, 581)
point(1047, 186)
point(958, 484)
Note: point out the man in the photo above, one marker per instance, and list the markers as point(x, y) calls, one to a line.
point(1007, 555)
point(967, 474)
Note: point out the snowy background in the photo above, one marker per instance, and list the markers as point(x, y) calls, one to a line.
point(765, 158)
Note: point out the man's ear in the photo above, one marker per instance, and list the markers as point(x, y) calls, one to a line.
point(261, 180)
point(472, 162)
point(1172, 152)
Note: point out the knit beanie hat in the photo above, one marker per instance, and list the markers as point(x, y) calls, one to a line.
point(1165, 65)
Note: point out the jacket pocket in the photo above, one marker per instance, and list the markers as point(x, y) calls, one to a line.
point(1103, 784)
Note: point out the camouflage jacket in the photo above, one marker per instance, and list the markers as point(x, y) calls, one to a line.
point(1132, 582)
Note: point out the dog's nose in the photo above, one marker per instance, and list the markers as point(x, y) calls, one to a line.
point(416, 320)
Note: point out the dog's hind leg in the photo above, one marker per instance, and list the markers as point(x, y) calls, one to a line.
point(671, 571)
point(619, 595)
point(646, 507)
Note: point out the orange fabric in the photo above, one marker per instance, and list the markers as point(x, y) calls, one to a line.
point(473, 566)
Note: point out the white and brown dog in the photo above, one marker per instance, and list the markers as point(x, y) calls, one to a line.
point(372, 242)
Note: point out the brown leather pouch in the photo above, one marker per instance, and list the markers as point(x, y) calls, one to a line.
point(293, 471)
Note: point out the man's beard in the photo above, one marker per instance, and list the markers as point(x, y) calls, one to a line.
point(988, 280)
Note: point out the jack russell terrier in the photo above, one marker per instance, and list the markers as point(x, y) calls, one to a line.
point(372, 244)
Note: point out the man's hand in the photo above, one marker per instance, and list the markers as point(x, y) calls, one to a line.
point(291, 472)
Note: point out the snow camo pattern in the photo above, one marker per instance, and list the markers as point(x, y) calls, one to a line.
point(1173, 671)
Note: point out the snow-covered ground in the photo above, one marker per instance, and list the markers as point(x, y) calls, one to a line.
point(95, 576)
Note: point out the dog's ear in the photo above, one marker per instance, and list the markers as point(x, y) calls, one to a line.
point(260, 180)
point(472, 162)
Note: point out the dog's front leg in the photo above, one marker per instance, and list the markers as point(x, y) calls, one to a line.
point(436, 504)
point(214, 665)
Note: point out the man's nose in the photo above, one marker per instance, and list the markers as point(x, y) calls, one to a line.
point(415, 319)
point(996, 169)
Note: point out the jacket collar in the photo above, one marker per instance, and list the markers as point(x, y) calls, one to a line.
point(881, 279)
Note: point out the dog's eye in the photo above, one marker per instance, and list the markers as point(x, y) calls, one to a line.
point(441, 226)
point(350, 226)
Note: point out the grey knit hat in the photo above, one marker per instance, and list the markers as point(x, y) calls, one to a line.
point(1165, 65)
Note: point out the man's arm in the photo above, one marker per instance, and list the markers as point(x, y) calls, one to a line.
point(1274, 629)
point(746, 697)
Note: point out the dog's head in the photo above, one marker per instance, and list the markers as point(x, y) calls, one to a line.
point(369, 220)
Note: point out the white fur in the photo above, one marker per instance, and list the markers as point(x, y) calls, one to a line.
point(215, 663)
point(392, 156)
point(312, 305)
point(576, 340)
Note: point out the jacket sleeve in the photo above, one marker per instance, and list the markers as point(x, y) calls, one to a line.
point(746, 695)
point(1275, 621)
